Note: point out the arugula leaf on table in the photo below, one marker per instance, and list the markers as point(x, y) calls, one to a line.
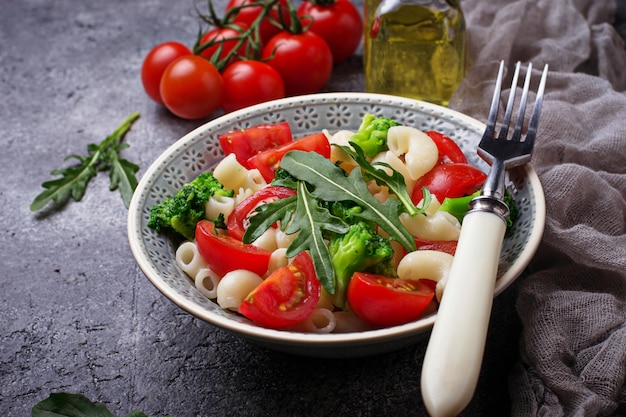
point(104, 156)
point(395, 182)
point(330, 183)
point(62, 404)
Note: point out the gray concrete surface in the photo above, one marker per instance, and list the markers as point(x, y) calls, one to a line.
point(76, 313)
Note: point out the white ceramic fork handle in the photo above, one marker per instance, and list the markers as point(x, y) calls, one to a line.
point(455, 350)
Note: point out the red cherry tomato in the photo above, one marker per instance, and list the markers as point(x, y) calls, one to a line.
point(449, 180)
point(338, 22)
point(250, 82)
point(447, 246)
point(251, 10)
point(224, 38)
point(286, 297)
point(191, 87)
point(304, 60)
point(245, 143)
point(239, 219)
point(384, 301)
point(449, 151)
point(156, 62)
point(223, 253)
point(268, 161)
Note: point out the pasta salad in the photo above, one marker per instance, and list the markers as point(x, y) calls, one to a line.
point(333, 232)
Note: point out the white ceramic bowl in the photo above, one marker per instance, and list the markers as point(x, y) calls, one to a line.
point(199, 151)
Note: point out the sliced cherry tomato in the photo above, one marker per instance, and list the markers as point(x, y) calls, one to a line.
point(250, 82)
point(384, 301)
point(304, 60)
point(447, 246)
point(223, 253)
point(288, 296)
point(191, 87)
point(155, 63)
point(338, 22)
point(223, 39)
point(449, 151)
point(239, 219)
point(250, 11)
point(268, 161)
point(449, 180)
point(245, 143)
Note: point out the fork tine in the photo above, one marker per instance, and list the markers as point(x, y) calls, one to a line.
point(504, 130)
point(517, 133)
point(495, 101)
point(534, 118)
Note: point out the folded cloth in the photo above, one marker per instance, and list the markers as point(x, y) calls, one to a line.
point(572, 300)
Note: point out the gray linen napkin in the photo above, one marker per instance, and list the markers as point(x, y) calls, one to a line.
point(572, 303)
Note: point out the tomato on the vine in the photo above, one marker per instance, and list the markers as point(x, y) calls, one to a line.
point(338, 22)
point(223, 39)
point(304, 60)
point(239, 219)
point(191, 87)
point(288, 296)
point(155, 63)
point(249, 10)
point(250, 82)
point(384, 301)
point(224, 253)
point(268, 161)
point(245, 143)
point(449, 180)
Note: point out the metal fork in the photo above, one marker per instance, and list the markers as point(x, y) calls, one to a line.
point(455, 350)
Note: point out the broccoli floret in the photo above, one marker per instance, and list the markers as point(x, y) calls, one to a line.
point(371, 136)
point(283, 178)
point(361, 249)
point(180, 213)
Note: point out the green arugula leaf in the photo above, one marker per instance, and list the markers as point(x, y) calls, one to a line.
point(69, 405)
point(330, 183)
point(102, 157)
point(395, 182)
point(311, 219)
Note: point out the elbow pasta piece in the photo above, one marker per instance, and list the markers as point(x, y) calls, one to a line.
point(321, 320)
point(278, 259)
point(337, 155)
point(233, 176)
point(267, 240)
point(419, 150)
point(427, 264)
point(219, 205)
point(206, 282)
point(188, 258)
point(394, 161)
point(348, 322)
point(438, 226)
point(235, 286)
point(283, 240)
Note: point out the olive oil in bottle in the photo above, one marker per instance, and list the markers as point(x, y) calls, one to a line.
point(414, 48)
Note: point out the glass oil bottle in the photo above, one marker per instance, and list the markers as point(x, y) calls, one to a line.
point(414, 48)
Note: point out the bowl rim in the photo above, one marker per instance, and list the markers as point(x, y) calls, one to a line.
point(255, 332)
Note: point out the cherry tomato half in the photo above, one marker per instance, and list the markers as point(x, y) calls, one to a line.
point(449, 151)
point(288, 296)
point(268, 161)
point(304, 60)
point(223, 253)
point(245, 143)
point(384, 301)
point(449, 180)
point(191, 87)
point(338, 22)
point(250, 82)
point(447, 246)
point(238, 220)
point(155, 63)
